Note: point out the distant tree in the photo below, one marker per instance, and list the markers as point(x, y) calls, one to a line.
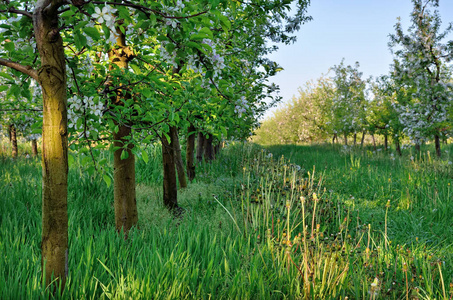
point(422, 73)
point(349, 103)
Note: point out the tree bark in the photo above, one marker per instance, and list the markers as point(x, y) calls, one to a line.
point(34, 147)
point(437, 143)
point(209, 150)
point(190, 147)
point(345, 138)
point(363, 138)
point(386, 142)
point(200, 146)
point(334, 138)
point(178, 158)
point(52, 78)
point(125, 202)
point(355, 139)
point(13, 139)
point(169, 185)
point(398, 147)
point(374, 142)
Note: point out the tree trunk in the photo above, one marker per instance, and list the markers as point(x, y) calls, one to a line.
point(398, 147)
point(200, 146)
point(334, 138)
point(355, 139)
point(374, 142)
point(209, 150)
point(34, 147)
point(178, 158)
point(437, 143)
point(386, 142)
point(190, 164)
point(13, 139)
point(170, 185)
point(363, 138)
point(417, 146)
point(9, 132)
point(125, 202)
point(345, 139)
point(52, 78)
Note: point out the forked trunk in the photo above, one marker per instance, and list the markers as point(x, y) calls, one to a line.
point(13, 138)
point(52, 78)
point(125, 203)
point(437, 143)
point(334, 138)
point(34, 147)
point(190, 147)
point(200, 146)
point(178, 158)
point(170, 185)
point(374, 142)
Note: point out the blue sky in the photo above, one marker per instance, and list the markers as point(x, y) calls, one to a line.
point(356, 30)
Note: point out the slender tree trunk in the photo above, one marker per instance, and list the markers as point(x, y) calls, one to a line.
point(9, 132)
point(417, 146)
point(398, 147)
point(363, 138)
point(437, 143)
point(345, 138)
point(178, 158)
point(386, 142)
point(169, 185)
point(209, 150)
point(13, 138)
point(52, 78)
point(190, 152)
point(200, 146)
point(355, 139)
point(125, 202)
point(334, 138)
point(374, 142)
point(34, 147)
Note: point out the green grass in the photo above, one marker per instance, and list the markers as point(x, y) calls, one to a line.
point(315, 224)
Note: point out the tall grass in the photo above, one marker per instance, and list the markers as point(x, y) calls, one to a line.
point(313, 224)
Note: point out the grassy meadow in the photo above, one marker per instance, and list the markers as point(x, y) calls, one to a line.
point(281, 222)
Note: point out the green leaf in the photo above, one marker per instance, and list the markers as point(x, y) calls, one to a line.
point(124, 154)
point(9, 46)
point(6, 75)
point(145, 156)
point(3, 88)
point(107, 180)
point(92, 32)
point(206, 31)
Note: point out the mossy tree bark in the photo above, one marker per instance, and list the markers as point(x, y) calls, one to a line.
point(125, 202)
point(190, 155)
point(34, 147)
point(13, 140)
point(178, 157)
point(52, 78)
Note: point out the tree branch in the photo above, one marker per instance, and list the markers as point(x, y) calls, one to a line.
point(28, 70)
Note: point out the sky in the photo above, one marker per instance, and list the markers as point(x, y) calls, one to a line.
point(356, 30)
